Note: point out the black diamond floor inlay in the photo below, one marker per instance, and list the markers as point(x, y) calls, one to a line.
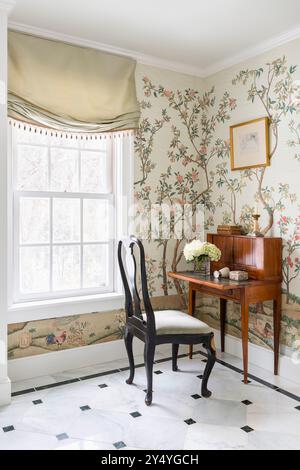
point(61, 437)
point(200, 376)
point(247, 402)
point(37, 402)
point(297, 408)
point(119, 445)
point(102, 386)
point(135, 414)
point(158, 372)
point(8, 428)
point(247, 429)
point(85, 408)
point(189, 421)
point(196, 396)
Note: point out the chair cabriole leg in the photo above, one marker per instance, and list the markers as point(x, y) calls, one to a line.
point(128, 338)
point(175, 348)
point(211, 351)
point(149, 352)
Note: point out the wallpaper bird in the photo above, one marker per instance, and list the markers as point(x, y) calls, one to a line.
point(59, 340)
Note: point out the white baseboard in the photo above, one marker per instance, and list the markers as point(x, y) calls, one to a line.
point(260, 357)
point(59, 361)
point(5, 391)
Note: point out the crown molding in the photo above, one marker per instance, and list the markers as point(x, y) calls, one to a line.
point(153, 61)
point(251, 52)
point(7, 5)
point(139, 57)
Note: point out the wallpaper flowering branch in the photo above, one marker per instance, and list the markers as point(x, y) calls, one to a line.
point(274, 87)
point(192, 149)
point(182, 157)
point(200, 148)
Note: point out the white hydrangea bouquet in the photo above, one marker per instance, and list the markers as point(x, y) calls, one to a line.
point(201, 253)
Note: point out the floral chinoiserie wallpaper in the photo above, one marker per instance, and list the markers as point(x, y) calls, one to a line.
point(182, 157)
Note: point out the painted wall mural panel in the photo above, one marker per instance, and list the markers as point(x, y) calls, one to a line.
point(57, 334)
point(182, 156)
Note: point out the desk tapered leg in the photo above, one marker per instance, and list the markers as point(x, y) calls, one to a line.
point(223, 312)
point(277, 326)
point(245, 327)
point(192, 299)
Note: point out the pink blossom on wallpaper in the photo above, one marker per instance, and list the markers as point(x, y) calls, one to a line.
point(192, 93)
point(168, 93)
point(232, 103)
point(195, 176)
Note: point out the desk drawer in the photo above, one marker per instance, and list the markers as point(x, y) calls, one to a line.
point(234, 294)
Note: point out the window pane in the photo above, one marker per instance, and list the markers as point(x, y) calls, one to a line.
point(34, 220)
point(95, 220)
point(36, 138)
point(66, 267)
point(64, 170)
point(93, 172)
point(32, 168)
point(66, 220)
point(98, 145)
point(95, 266)
point(64, 140)
point(34, 269)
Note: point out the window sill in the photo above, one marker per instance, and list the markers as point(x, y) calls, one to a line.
point(45, 309)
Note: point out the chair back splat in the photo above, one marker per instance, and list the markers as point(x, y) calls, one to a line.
point(128, 267)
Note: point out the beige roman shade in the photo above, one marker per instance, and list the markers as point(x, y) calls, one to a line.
point(70, 88)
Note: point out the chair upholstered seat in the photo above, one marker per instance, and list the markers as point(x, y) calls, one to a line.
point(170, 322)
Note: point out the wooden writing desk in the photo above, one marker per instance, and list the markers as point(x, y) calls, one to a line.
point(261, 257)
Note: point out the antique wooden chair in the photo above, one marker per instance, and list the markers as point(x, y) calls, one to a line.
point(160, 327)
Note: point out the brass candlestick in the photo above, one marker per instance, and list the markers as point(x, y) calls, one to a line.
point(256, 230)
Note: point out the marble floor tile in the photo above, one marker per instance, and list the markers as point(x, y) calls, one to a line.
point(20, 440)
point(103, 412)
point(110, 426)
point(272, 418)
point(262, 440)
point(208, 437)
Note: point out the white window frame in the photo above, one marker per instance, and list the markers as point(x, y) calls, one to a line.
point(89, 300)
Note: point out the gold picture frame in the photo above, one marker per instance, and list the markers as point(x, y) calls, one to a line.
point(250, 144)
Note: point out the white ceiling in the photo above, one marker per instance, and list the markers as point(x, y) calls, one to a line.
point(200, 36)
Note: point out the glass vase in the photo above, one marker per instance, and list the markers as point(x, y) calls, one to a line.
point(202, 266)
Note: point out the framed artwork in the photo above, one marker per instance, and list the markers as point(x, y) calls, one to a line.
point(250, 147)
